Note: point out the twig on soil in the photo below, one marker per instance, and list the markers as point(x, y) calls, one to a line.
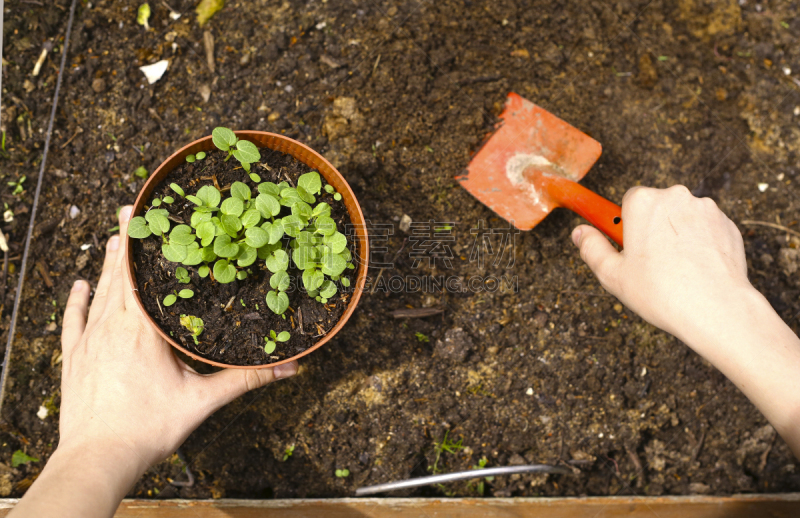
point(5, 277)
point(483, 79)
point(380, 272)
point(416, 312)
point(637, 464)
point(230, 303)
point(40, 266)
point(287, 178)
point(770, 225)
point(698, 448)
point(208, 42)
point(763, 463)
point(77, 132)
point(189, 475)
point(300, 320)
point(159, 307)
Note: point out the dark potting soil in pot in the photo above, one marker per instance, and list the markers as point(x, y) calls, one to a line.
point(236, 315)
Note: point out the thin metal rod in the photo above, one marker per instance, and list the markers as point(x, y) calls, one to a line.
point(461, 475)
point(34, 207)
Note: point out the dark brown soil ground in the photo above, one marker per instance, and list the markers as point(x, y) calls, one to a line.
point(397, 94)
point(234, 332)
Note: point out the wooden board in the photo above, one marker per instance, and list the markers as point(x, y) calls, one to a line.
point(739, 506)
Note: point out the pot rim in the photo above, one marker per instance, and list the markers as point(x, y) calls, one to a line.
point(300, 152)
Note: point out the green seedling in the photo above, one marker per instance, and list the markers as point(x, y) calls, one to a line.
point(274, 337)
point(288, 452)
point(141, 172)
point(3, 151)
point(481, 465)
point(199, 156)
point(182, 274)
point(18, 188)
point(446, 446)
point(342, 473)
point(422, 338)
point(19, 457)
point(169, 200)
point(173, 297)
point(194, 325)
point(243, 150)
point(330, 190)
point(142, 15)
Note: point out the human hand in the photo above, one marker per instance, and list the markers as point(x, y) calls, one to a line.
point(123, 388)
point(683, 258)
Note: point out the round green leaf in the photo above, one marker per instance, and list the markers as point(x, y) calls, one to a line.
point(310, 182)
point(247, 256)
point(170, 300)
point(206, 232)
point(305, 195)
point(337, 197)
point(277, 261)
point(186, 293)
point(232, 207)
point(301, 209)
point(203, 271)
point(207, 254)
point(224, 248)
point(240, 190)
point(255, 177)
point(312, 279)
point(325, 226)
point(194, 255)
point(177, 188)
point(269, 188)
point(157, 218)
point(284, 336)
point(199, 217)
point(277, 302)
point(268, 205)
point(174, 252)
point(194, 199)
point(337, 242)
point(223, 138)
point(275, 231)
point(304, 257)
point(138, 229)
point(327, 290)
point(333, 264)
point(181, 235)
point(241, 275)
point(224, 272)
point(345, 282)
point(156, 203)
point(247, 152)
point(209, 195)
point(289, 196)
point(190, 158)
point(231, 225)
point(322, 209)
point(169, 199)
point(256, 237)
point(201, 155)
point(280, 281)
point(251, 218)
point(329, 189)
point(292, 225)
point(269, 348)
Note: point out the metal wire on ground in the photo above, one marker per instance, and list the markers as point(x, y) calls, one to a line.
point(18, 297)
point(461, 475)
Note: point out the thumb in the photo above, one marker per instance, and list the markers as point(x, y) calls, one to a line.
point(598, 253)
point(226, 385)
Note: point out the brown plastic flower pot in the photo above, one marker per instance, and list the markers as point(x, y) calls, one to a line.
point(305, 155)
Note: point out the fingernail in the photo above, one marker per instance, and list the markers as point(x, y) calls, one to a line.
point(286, 370)
point(125, 213)
point(576, 236)
point(78, 286)
point(113, 243)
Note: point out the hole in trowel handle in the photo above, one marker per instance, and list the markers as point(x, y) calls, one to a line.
point(617, 220)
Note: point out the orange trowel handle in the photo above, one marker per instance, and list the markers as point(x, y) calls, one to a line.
point(594, 208)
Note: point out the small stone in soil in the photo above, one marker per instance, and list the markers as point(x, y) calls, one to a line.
point(405, 223)
point(74, 212)
point(99, 85)
point(456, 345)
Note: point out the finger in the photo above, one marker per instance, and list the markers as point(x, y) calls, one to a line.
point(74, 317)
point(629, 193)
point(224, 386)
point(598, 253)
point(119, 287)
point(101, 293)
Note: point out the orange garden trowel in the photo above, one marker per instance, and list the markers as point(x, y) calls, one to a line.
point(531, 165)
